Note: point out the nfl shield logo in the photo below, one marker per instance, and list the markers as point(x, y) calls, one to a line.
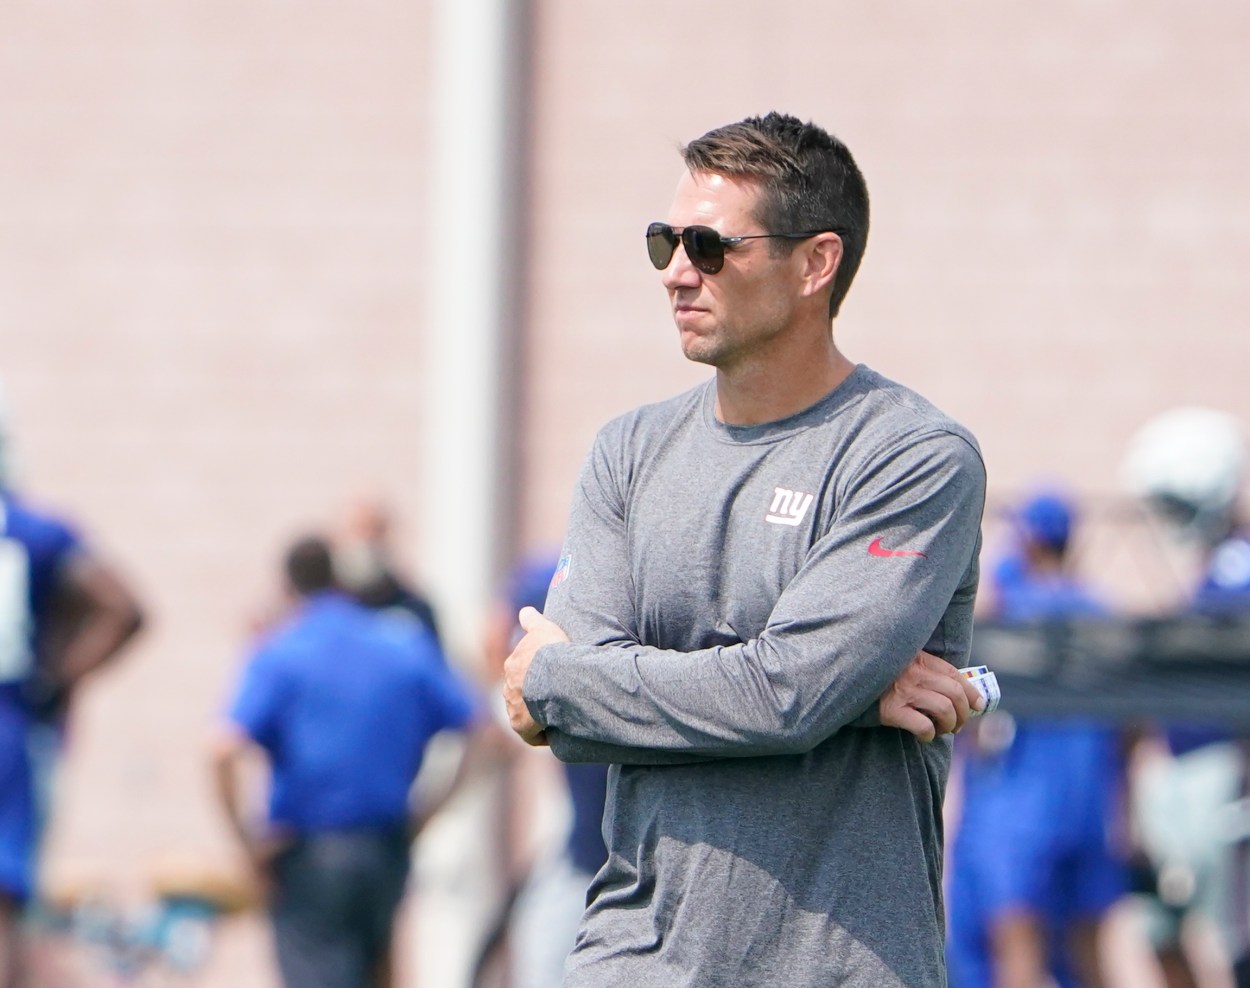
point(562, 571)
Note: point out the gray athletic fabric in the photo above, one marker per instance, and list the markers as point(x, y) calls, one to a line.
point(759, 588)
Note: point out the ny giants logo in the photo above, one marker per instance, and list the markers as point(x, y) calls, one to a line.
point(788, 507)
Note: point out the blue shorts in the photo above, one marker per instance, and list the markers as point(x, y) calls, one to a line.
point(17, 809)
point(1081, 887)
point(1033, 846)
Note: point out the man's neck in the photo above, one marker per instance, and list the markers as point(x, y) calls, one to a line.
point(768, 390)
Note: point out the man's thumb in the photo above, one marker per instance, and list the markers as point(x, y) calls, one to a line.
point(528, 617)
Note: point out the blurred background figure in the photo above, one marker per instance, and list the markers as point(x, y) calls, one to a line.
point(549, 875)
point(1035, 868)
point(64, 613)
point(1188, 465)
point(365, 566)
point(341, 702)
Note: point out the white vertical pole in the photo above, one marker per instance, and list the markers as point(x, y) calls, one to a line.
point(469, 223)
point(473, 237)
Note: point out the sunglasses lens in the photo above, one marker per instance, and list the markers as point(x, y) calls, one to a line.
point(661, 243)
point(704, 248)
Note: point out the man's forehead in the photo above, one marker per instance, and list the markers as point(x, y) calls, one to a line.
point(709, 197)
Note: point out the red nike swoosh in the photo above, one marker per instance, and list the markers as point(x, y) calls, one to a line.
point(874, 549)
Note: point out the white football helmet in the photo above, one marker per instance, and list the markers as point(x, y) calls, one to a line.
point(1190, 463)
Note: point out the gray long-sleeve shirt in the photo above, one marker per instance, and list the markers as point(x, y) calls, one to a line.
point(737, 599)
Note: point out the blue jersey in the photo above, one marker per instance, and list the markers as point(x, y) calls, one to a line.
point(1223, 590)
point(34, 549)
point(587, 781)
point(1225, 586)
point(344, 701)
point(1066, 758)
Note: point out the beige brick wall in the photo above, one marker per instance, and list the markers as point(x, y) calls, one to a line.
point(210, 265)
point(211, 256)
point(1060, 218)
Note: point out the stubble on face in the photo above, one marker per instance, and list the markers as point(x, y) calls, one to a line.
point(726, 318)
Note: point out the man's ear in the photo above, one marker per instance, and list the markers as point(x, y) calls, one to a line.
point(822, 258)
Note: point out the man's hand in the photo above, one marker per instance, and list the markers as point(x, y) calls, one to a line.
point(231, 753)
point(929, 698)
point(262, 850)
point(538, 632)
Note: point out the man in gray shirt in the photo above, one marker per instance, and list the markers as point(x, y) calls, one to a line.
point(749, 572)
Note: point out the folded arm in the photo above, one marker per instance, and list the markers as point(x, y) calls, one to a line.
point(841, 633)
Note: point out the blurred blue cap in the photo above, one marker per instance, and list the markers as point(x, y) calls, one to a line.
point(1047, 518)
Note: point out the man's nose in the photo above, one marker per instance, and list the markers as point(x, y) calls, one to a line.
point(680, 273)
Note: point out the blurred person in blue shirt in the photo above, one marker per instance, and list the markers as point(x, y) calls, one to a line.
point(552, 896)
point(342, 702)
point(64, 613)
point(1034, 865)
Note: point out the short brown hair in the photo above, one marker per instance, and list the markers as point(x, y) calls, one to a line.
point(807, 179)
point(309, 565)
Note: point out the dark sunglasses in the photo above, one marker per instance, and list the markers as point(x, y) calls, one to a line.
point(704, 246)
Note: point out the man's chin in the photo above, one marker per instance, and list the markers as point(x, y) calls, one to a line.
point(697, 349)
point(697, 356)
